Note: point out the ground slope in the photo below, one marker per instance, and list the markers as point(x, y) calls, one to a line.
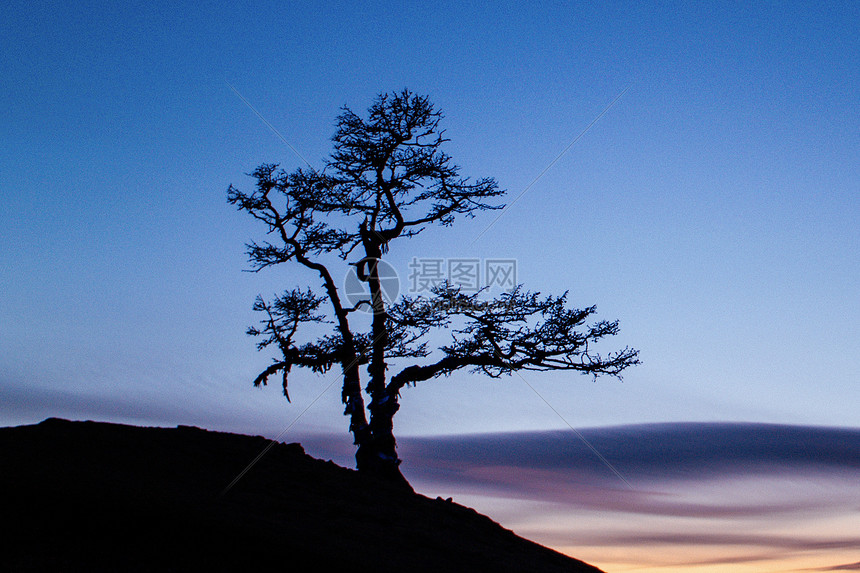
point(87, 496)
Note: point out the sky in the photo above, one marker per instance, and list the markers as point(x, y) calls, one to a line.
point(694, 497)
point(711, 209)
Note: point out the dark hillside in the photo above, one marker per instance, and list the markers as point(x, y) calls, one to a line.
point(87, 496)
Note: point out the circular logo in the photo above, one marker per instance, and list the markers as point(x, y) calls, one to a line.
point(357, 290)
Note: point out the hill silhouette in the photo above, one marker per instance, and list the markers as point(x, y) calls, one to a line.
point(92, 496)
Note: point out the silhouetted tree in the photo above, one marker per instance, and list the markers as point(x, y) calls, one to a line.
point(388, 178)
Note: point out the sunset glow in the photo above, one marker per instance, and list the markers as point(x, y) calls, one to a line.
point(725, 510)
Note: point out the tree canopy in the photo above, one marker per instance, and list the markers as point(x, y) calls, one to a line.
point(389, 178)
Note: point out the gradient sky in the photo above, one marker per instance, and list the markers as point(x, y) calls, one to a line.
point(713, 209)
point(695, 497)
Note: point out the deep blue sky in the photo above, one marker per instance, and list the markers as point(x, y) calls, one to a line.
point(713, 209)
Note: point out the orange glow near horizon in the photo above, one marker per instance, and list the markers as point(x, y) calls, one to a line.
point(764, 523)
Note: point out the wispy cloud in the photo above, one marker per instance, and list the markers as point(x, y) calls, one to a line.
point(794, 543)
point(702, 494)
point(846, 567)
point(651, 453)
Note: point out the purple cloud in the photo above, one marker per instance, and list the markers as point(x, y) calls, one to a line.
point(846, 567)
point(557, 466)
point(654, 452)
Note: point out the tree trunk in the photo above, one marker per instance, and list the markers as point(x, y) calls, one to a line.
point(355, 410)
point(385, 462)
